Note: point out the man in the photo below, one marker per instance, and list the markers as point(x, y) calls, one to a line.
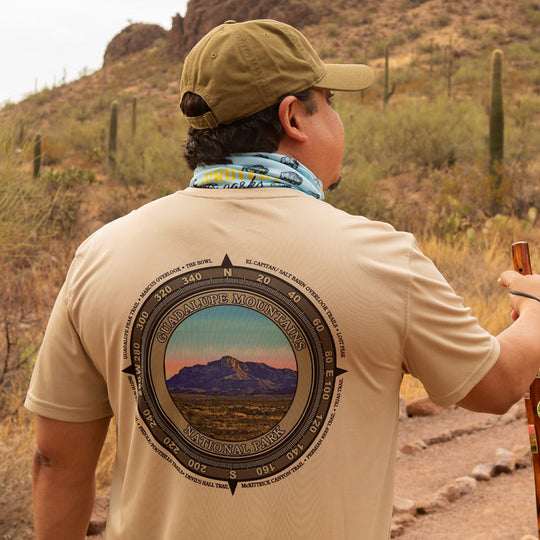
point(249, 338)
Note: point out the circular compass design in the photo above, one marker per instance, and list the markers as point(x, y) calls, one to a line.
point(235, 371)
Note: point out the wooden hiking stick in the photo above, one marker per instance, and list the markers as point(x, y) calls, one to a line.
point(522, 264)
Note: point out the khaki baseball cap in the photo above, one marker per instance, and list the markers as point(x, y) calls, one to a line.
point(242, 68)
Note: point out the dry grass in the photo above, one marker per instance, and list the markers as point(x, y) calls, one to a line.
point(472, 267)
point(16, 450)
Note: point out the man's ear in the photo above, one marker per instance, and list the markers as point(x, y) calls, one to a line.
point(291, 115)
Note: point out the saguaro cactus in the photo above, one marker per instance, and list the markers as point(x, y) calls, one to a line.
point(37, 154)
point(449, 68)
point(387, 94)
point(134, 116)
point(431, 55)
point(496, 119)
point(20, 137)
point(113, 130)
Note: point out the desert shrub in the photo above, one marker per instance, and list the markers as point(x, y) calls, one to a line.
point(443, 19)
point(21, 199)
point(420, 133)
point(378, 48)
point(154, 156)
point(361, 16)
point(473, 71)
point(470, 31)
point(71, 178)
point(411, 138)
point(70, 140)
point(442, 147)
point(425, 47)
point(28, 257)
point(494, 37)
point(64, 193)
point(414, 32)
point(327, 51)
point(358, 193)
point(51, 151)
point(483, 14)
point(520, 32)
point(522, 137)
point(42, 97)
point(88, 141)
point(332, 29)
point(520, 51)
point(397, 39)
point(408, 80)
point(535, 19)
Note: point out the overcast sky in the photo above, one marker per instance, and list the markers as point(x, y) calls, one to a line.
point(41, 41)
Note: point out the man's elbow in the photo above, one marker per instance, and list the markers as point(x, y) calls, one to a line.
point(491, 406)
point(493, 394)
point(40, 462)
point(503, 404)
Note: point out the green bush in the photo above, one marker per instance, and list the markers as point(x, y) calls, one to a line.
point(65, 193)
point(494, 37)
point(443, 19)
point(483, 14)
point(414, 32)
point(378, 49)
point(23, 204)
point(332, 29)
point(68, 179)
point(475, 71)
point(471, 31)
point(415, 133)
point(520, 51)
point(519, 32)
point(522, 136)
point(154, 156)
point(397, 39)
point(361, 16)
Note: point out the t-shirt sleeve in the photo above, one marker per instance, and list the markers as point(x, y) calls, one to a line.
point(65, 384)
point(445, 346)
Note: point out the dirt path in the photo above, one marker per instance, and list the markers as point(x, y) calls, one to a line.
point(501, 508)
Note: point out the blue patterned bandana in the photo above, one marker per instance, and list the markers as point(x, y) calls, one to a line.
point(256, 170)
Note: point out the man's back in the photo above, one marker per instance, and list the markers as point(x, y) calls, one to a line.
point(250, 344)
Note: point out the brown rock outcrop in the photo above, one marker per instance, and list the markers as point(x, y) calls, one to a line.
point(133, 38)
point(203, 15)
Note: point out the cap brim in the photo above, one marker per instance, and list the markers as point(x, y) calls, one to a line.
point(346, 77)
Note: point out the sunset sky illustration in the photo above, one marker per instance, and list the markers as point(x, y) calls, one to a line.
point(235, 331)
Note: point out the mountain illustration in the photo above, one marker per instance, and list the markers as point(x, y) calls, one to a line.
point(231, 377)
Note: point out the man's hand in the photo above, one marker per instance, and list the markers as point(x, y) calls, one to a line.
point(63, 472)
point(519, 358)
point(518, 283)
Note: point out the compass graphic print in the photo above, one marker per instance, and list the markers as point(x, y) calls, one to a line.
point(235, 371)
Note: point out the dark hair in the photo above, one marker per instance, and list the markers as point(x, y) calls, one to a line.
point(260, 132)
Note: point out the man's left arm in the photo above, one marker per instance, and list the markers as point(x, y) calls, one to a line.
point(64, 468)
point(519, 358)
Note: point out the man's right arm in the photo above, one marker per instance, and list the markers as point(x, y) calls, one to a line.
point(519, 358)
point(63, 476)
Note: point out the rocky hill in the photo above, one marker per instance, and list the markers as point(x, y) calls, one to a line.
point(355, 30)
point(229, 376)
point(135, 37)
point(203, 15)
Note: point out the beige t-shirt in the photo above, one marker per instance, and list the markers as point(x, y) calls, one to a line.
point(251, 345)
